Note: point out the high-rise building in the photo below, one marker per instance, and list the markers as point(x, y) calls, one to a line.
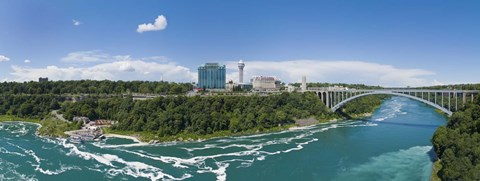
point(241, 65)
point(211, 76)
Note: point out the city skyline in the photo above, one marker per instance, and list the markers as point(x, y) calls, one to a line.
point(385, 43)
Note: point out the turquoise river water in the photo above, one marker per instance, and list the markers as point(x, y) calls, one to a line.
point(394, 144)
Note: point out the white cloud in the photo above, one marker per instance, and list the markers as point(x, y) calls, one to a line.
point(334, 71)
point(124, 67)
point(160, 24)
point(88, 57)
point(76, 22)
point(3, 58)
point(27, 61)
point(119, 70)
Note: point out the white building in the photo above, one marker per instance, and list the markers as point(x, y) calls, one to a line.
point(266, 83)
point(292, 88)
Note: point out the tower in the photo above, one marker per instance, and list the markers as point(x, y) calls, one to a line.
point(241, 65)
point(304, 83)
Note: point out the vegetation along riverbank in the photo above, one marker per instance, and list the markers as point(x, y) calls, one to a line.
point(167, 118)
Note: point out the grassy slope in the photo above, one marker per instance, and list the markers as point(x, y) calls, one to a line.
point(50, 127)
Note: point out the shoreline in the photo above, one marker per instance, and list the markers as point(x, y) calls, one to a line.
point(143, 140)
point(133, 138)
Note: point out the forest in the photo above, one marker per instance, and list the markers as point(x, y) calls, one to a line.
point(200, 115)
point(165, 115)
point(457, 145)
point(95, 87)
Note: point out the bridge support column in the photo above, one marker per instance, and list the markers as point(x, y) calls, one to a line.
point(327, 95)
point(436, 97)
point(456, 101)
point(443, 105)
point(449, 105)
point(464, 99)
point(331, 99)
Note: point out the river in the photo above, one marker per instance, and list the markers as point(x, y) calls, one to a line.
point(394, 144)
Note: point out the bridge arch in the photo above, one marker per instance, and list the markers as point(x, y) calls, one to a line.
point(339, 105)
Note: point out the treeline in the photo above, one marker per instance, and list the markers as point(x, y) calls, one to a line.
point(29, 106)
point(351, 86)
point(458, 145)
point(94, 87)
point(363, 105)
point(168, 116)
point(456, 87)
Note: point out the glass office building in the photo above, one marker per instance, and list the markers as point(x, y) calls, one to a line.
point(211, 76)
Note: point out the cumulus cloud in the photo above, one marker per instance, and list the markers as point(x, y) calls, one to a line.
point(4, 58)
point(334, 71)
point(119, 70)
point(88, 57)
point(27, 61)
point(76, 22)
point(125, 67)
point(159, 24)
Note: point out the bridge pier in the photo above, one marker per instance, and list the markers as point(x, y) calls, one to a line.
point(449, 98)
point(456, 101)
point(328, 100)
point(443, 105)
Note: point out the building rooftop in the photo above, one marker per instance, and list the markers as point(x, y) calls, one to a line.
point(211, 65)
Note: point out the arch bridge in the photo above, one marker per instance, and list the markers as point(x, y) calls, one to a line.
point(444, 100)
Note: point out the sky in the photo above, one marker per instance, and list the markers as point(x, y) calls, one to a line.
point(386, 42)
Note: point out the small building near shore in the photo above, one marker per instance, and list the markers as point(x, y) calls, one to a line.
point(85, 120)
point(103, 122)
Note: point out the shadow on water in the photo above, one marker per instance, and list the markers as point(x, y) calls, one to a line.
point(432, 155)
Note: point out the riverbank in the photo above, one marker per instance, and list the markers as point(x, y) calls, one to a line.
point(133, 138)
point(436, 167)
point(56, 128)
point(6, 118)
point(50, 127)
point(151, 138)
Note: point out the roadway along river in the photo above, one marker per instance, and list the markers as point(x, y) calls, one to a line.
point(392, 145)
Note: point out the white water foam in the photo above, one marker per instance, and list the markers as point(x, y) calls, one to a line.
point(397, 165)
point(8, 172)
point(5, 151)
point(392, 109)
point(132, 168)
point(38, 160)
point(254, 149)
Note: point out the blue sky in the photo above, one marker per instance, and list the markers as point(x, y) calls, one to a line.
point(389, 43)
